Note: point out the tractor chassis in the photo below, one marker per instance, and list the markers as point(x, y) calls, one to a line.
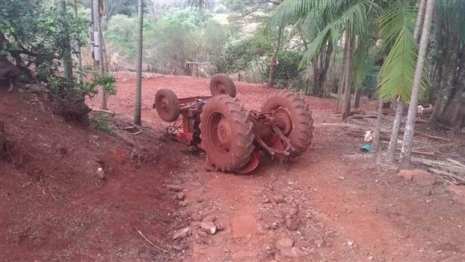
point(267, 135)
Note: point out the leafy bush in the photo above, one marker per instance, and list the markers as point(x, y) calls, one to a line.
point(169, 42)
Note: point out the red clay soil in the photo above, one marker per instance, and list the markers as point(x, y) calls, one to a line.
point(333, 206)
point(330, 206)
point(56, 206)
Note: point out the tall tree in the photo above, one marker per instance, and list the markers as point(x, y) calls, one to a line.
point(99, 55)
point(140, 37)
point(399, 101)
point(274, 58)
point(407, 145)
point(66, 49)
point(78, 47)
point(448, 64)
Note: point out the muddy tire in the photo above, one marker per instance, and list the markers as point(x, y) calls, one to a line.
point(226, 133)
point(222, 84)
point(167, 105)
point(294, 118)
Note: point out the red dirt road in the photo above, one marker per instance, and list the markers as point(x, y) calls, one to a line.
point(345, 208)
point(333, 204)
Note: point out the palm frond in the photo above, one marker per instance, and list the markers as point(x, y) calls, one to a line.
point(398, 70)
point(397, 73)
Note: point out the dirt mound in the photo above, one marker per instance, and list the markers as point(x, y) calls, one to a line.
point(71, 193)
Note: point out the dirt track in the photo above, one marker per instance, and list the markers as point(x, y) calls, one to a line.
point(332, 206)
point(347, 210)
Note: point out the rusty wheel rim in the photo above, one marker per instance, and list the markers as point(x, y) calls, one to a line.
point(222, 89)
point(220, 133)
point(165, 106)
point(282, 119)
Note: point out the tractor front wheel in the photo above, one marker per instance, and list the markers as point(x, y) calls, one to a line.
point(293, 117)
point(226, 133)
point(167, 105)
point(221, 84)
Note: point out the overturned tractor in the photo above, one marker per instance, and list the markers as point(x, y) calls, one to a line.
point(233, 138)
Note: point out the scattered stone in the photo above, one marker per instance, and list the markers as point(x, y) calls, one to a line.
point(182, 214)
point(274, 225)
point(180, 196)
point(278, 199)
point(292, 219)
point(293, 212)
point(209, 218)
point(202, 234)
point(177, 247)
point(294, 252)
point(182, 233)
point(350, 243)
point(199, 200)
point(286, 248)
point(100, 173)
point(458, 193)
point(219, 225)
point(289, 199)
point(183, 203)
point(342, 177)
point(195, 224)
point(292, 223)
point(208, 227)
point(95, 137)
point(265, 200)
point(418, 176)
point(320, 242)
point(175, 188)
point(284, 243)
point(196, 217)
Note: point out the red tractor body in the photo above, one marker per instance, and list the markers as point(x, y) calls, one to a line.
point(234, 139)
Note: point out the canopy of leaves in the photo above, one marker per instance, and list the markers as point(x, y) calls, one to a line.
point(31, 31)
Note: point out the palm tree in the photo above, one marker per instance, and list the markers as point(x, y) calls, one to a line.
point(325, 22)
point(400, 102)
point(407, 145)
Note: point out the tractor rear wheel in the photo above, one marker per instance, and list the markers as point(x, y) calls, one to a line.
point(222, 84)
point(293, 117)
point(167, 105)
point(226, 133)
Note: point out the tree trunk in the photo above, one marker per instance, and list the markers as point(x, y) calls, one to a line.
point(454, 63)
point(78, 46)
point(67, 61)
point(348, 82)
point(420, 19)
point(138, 107)
point(395, 131)
point(342, 80)
point(274, 61)
point(407, 145)
point(375, 144)
point(400, 104)
point(99, 43)
point(320, 68)
point(358, 94)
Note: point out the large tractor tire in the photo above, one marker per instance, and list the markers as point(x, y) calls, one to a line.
point(226, 133)
point(221, 84)
point(167, 105)
point(293, 117)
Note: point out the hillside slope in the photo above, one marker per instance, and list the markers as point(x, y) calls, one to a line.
point(55, 204)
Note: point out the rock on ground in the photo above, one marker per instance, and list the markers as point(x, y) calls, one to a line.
point(182, 233)
point(208, 227)
point(458, 193)
point(418, 176)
